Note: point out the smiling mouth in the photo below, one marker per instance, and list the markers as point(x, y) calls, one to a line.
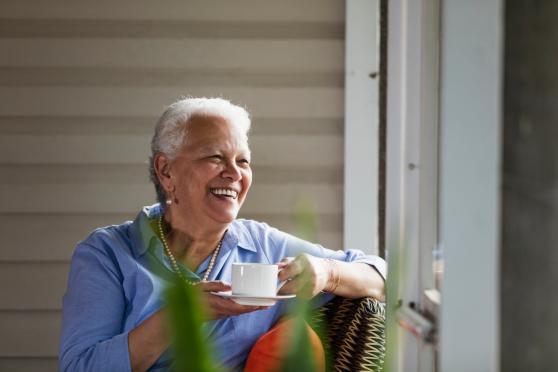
point(224, 192)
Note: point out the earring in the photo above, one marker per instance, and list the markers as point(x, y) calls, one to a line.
point(170, 196)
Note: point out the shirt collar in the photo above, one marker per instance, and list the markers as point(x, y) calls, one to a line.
point(240, 236)
point(143, 234)
point(141, 231)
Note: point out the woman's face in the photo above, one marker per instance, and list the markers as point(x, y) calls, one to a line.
point(212, 173)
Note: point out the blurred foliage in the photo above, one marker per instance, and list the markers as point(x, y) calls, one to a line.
point(299, 350)
point(300, 355)
point(305, 220)
point(192, 351)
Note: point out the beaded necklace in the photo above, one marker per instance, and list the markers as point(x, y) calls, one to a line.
point(174, 264)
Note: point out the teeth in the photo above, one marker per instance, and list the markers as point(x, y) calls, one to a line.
point(226, 192)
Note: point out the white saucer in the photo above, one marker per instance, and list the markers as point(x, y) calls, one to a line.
point(253, 301)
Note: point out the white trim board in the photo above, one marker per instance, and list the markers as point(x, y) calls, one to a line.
point(471, 94)
point(361, 126)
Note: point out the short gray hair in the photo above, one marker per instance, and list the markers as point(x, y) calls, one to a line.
point(170, 133)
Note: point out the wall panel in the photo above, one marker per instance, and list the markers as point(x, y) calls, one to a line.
point(29, 334)
point(81, 85)
point(198, 10)
point(189, 53)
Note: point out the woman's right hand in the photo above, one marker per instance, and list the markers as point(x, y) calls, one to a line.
point(219, 307)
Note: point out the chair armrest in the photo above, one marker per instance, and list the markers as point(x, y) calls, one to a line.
point(353, 333)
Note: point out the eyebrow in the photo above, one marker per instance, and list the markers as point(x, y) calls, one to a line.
point(208, 148)
point(213, 149)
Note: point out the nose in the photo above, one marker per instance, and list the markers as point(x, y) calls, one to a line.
point(232, 171)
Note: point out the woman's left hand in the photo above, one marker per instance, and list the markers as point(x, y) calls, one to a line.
point(307, 275)
point(218, 307)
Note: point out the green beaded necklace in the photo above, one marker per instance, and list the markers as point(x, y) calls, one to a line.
point(174, 264)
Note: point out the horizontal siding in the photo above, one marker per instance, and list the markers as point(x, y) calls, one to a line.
point(91, 101)
point(56, 28)
point(234, 55)
point(27, 364)
point(32, 285)
point(81, 85)
point(198, 10)
point(133, 125)
point(28, 334)
point(54, 236)
point(139, 77)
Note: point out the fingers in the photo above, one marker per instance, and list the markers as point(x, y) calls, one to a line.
point(221, 307)
point(290, 287)
point(290, 269)
point(307, 273)
point(285, 261)
point(214, 286)
point(300, 286)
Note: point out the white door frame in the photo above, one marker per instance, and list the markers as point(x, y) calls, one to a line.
point(471, 105)
point(412, 179)
point(360, 228)
point(466, 224)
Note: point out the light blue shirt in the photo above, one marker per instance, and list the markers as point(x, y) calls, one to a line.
point(113, 287)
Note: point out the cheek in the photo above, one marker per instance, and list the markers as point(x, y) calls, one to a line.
point(191, 186)
point(200, 177)
point(247, 179)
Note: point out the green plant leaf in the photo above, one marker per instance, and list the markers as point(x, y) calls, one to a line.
point(191, 349)
point(300, 355)
point(305, 220)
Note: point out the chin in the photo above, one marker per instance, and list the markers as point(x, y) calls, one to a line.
point(226, 218)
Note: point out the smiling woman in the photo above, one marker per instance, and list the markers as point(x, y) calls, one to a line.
point(114, 316)
point(211, 172)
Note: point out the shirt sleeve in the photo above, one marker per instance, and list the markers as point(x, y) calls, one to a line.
point(293, 246)
point(92, 337)
point(288, 245)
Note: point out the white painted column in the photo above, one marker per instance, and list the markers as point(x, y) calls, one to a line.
point(361, 126)
point(471, 136)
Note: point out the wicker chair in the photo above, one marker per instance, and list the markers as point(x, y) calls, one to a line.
point(353, 333)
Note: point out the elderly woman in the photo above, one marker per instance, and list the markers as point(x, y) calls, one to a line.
point(114, 317)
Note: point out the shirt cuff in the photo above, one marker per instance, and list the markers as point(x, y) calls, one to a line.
point(119, 344)
point(378, 263)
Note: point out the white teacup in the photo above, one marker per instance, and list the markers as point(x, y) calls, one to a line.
point(254, 279)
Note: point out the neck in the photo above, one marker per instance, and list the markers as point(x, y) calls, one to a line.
point(189, 243)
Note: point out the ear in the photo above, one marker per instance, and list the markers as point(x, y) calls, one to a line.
point(162, 166)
